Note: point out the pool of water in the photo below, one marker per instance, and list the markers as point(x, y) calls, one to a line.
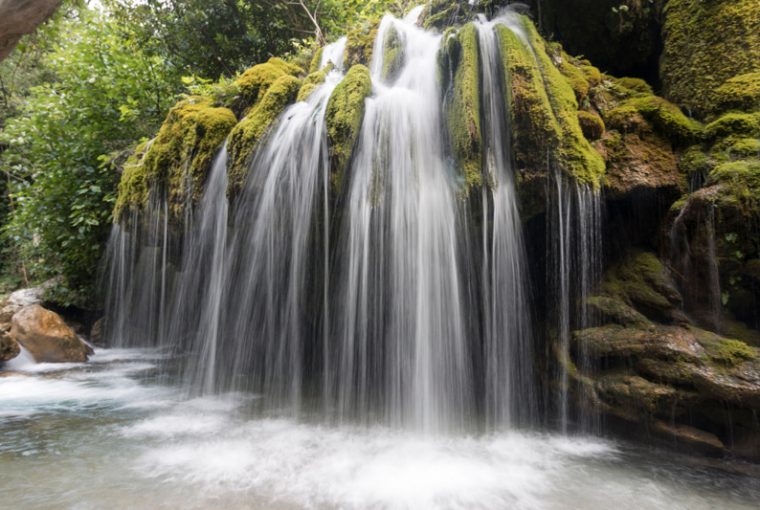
point(108, 434)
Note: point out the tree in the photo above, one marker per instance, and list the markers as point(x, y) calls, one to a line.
point(103, 94)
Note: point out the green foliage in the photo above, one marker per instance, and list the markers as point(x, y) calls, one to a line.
point(102, 92)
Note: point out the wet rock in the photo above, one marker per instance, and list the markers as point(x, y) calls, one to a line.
point(690, 437)
point(660, 342)
point(641, 281)
point(9, 349)
point(47, 337)
point(96, 332)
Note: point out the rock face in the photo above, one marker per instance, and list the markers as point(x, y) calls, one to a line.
point(9, 348)
point(647, 364)
point(47, 337)
point(20, 17)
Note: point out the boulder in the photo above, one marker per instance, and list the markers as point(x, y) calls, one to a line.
point(47, 337)
point(16, 301)
point(9, 349)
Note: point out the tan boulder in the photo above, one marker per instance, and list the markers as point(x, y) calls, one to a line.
point(47, 337)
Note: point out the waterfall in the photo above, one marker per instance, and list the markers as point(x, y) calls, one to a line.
point(574, 216)
point(508, 339)
point(401, 327)
point(397, 301)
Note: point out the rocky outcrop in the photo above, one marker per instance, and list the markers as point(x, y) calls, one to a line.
point(648, 364)
point(18, 18)
point(47, 337)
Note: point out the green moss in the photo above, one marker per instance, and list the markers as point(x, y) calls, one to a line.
point(576, 156)
point(694, 161)
point(393, 58)
point(591, 124)
point(316, 60)
point(667, 118)
point(133, 185)
point(641, 281)
point(463, 113)
point(441, 13)
point(745, 148)
point(743, 176)
point(345, 111)
point(614, 310)
point(254, 126)
point(312, 81)
point(360, 43)
point(724, 351)
point(256, 81)
point(575, 76)
point(707, 42)
point(180, 155)
point(635, 85)
point(740, 92)
point(734, 123)
point(593, 75)
point(625, 118)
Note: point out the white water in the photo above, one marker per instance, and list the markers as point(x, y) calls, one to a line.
point(107, 434)
point(401, 327)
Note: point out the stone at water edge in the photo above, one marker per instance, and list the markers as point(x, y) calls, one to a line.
point(47, 337)
point(9, 348)
point(96, 332)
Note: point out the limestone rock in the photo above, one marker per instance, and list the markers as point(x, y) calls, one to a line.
point(47, 337)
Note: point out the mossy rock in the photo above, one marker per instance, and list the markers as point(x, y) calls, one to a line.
point(734, 123)
point(463, 105)
point(740, 93)
point(247, 134)
point(611, 310)
point(316, 60)
point(591, 124)
point(311, 82)
point(439, 14)
point(706, 43)
point(360, 43)
point(641, 281)
point(666, 117)
point(636, 85)
point(256, 81)
point(576, 156)
point(345, 111)
point(179, 157)
point(393, 58)
point(134, 187)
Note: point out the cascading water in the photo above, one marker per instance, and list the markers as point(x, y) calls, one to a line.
point(389, 315)
point(401, 330)
point(508, 341)
point(574, 244)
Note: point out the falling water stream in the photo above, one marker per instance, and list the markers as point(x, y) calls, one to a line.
point(274, 354)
